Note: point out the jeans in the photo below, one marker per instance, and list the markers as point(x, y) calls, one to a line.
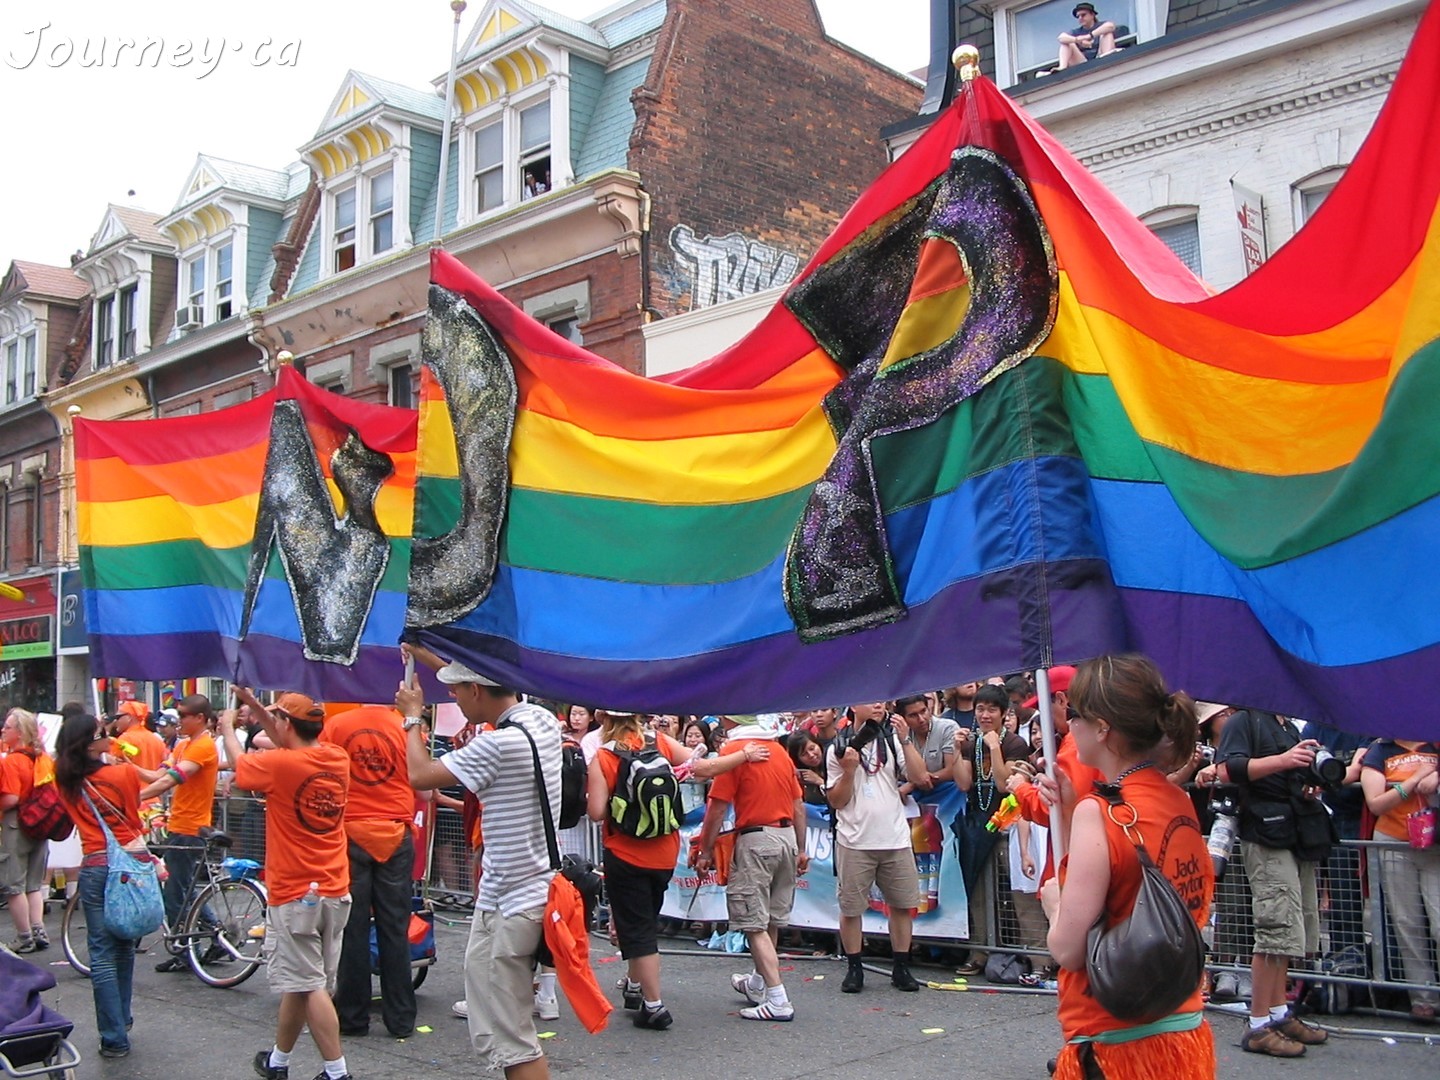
point(183, 854)
point(112, 963)
point(384, 889)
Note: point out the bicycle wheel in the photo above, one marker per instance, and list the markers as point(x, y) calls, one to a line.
point(417, 975)
point(227, 952)
point(73, 936)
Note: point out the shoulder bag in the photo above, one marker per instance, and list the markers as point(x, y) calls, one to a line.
point(134, 905)
point(1148, 964)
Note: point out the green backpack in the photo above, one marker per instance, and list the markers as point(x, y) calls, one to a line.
point(646, 802)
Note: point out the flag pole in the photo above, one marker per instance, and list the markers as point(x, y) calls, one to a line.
point(95, 699)
point(1047, 747)
point(458, 7)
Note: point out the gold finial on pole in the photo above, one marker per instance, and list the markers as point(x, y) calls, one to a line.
point(966, 59)
point(284, 358)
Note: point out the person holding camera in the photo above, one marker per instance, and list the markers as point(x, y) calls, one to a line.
point(873, 845)
point(1285, 832)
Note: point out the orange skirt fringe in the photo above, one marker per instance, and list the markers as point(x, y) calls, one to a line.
point(1179, 1055)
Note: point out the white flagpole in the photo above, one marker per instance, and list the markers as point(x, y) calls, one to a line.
point(458, 7)
point(1047, 747)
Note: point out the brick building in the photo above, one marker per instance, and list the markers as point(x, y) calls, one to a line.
point(605, 174)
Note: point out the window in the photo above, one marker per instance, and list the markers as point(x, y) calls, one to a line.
point(568, 327)
point(535, 150)
point(105, 332)
point(12, 372)
point(344, 232)
point(1026, 32)
point(223, 274)
point(37, 523)
point(382, 211)
point(402, 386)
point(1309, 193)
point(195, 275)
point(1183, 238)
point(126, 302)
point(28, 365)
point(490, 166)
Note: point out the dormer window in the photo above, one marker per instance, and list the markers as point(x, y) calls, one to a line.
point(382, 211)
point(344, 229)
point(512, 156)
point(12, 372)
point(1027, 32)
point(105, 332)
point(125, 302)
point(535, 150)
point(223, 281)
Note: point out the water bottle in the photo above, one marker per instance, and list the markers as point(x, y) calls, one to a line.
point(312, 896)
point(1222, 837)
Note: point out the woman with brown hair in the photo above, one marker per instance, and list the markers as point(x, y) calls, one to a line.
point(88, 776)
point(22, 858)
point(1130, 728)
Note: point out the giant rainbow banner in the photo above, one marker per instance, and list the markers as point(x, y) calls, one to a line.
point(994, 424)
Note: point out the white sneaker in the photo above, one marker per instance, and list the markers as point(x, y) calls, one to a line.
point(767, 1010)
point(547, 1008)
point(461, 1009)
point(751, 987)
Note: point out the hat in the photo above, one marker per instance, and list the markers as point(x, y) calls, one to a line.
point(738, 719)
point(138, 709)
point(166, 716)
point(1208, 709)
point(617, 712)
point(455, 673)
point(1060, 677)
point(1086, 6)
point(299, 707)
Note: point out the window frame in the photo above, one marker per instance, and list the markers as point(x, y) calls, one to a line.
point(1321, 182)
point(1149, 24)
point(29, 365)
point(126, 296)
point(37, 522)
point(374, 216)
point(358, 186)
point(12, 371)
point(104, 345)
point(1168, 217)
point(514, 158)
point(222, 291)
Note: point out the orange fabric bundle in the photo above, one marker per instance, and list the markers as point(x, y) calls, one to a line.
point(569, 944)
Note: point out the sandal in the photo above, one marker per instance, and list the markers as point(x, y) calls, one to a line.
point(970, 968)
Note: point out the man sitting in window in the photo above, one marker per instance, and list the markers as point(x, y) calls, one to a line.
point(1089, 40)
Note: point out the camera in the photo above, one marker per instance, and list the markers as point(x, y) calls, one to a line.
point(868, 733)
point(1327, 769)
point(1207, 753)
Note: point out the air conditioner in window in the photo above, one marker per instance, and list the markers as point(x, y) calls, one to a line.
point(189, 317)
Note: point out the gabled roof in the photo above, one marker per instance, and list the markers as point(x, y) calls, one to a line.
point(501, 20)
point(360, 93)
point(620, 25)
point(210, 173)
point(43, 280)
point(126, 222)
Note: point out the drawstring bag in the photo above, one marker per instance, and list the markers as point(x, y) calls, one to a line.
point(1147, 965)
point(1421, 827)
point(134, 905)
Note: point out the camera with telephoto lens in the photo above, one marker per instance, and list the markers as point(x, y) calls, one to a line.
point(868, 733)
point(1327, 769)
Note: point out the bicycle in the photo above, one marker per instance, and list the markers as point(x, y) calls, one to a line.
point(232, 934)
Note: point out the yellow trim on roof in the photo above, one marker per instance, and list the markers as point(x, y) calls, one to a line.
point(353, 99)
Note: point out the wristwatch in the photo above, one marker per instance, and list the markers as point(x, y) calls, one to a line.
point(412, 722)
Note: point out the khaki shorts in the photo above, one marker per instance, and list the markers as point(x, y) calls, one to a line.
point(302, 944)
point(22, 860)
point(892, 869)
point(1284, 901)
point(499, 992)
point(761, 890)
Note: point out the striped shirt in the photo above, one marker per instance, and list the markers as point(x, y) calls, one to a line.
point(499, 768)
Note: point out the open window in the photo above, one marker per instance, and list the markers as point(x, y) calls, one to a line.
point(224, 283)
point(1027, 32)
point(344, 230)
point(535, 150)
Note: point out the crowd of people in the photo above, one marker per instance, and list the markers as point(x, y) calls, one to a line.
point(1136, 764)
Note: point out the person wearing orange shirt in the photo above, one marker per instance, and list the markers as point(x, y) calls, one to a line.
point(130, 729)
point(22, 859)
point(378, 817)
point(91, 780)
point(1128, 727)
point(307, 871)
point(769, 853)
point(189, 773)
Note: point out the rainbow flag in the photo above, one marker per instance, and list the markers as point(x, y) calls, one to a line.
point(268, 544)
point(993, 425)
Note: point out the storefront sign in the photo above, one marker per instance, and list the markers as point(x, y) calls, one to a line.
point(26, 639)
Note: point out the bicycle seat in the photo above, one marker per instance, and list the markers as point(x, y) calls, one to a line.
point(216, 838)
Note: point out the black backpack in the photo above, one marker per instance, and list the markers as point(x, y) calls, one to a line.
point(573, 775)
point(646, 800)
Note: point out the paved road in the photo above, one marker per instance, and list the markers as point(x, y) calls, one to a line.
point(184, 1029)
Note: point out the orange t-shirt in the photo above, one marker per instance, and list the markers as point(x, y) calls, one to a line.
point(305, 791)
point(1032, 808)
point(373, 739)
point(150, 748)
point(1181, 855)
point(661, 852)
point(192, 804)
point(120, 784)
point(17, 775)
point(769, 788)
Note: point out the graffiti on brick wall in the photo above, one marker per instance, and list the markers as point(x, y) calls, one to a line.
point(727, 267)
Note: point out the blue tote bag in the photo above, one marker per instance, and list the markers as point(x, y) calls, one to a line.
point(134, 905)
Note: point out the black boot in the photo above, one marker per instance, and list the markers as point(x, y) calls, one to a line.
point(900, 976)
point(854, 980)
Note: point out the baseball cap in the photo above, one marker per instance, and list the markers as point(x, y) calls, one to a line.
point(1060, 678)
point(455, 673)
point(299, 707)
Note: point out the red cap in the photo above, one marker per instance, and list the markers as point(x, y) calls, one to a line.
point(1060, 677)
